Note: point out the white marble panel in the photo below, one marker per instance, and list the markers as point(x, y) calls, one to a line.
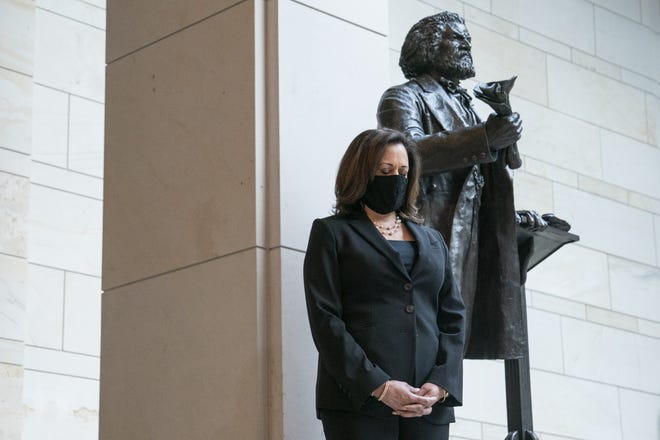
point(17, 35)
point(631, 164)
point(403, 15)
point(14, 163)
point(65, 230)
point(78, 10)
point(464, 428)
point(15, 111)
point(627, 43)
point(14, 202)
point(596, 98)
point(82, 314)
point(575, 408)
point(59, 407)
point(371, 14)
point(644, 202)
point(574, 273)
point(11, 403)
point(13, 273)
point(481, 4)
point(627, 8)
point(656, 227)
point(446, 5)
point(612, 319)
point(70, 181)
point(639, 415)
point(596, 64)
point(497, 57)
point(396, 75)
point(86, 136)
point(568, 21)
point(635, 288)
point(603, 189)
point(348, 71)
point(606, 225)
point(61, 362)
point(545, 44)
point(532, 192)
point(559, 139)
point(11, 352)
point(649, 328)
point(640, 81)
point(45, 306)
point(483, 378)
point(50, 129)
point(549, 171)
point(494, 432)
point(653, 119)
point(495, 24)
point(74, 61)
point(651, 14)
point(545, 346)
point(558, 305)
point(609, 355)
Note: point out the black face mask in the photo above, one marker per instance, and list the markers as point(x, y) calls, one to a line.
point(386, 193)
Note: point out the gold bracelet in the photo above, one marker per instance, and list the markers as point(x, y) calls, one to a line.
point(444, 397)
point(382, 395)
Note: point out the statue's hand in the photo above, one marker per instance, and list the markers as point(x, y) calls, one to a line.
point(503, 131)
point(531, 220)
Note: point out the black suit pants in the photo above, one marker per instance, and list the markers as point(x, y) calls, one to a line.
point(340, 425)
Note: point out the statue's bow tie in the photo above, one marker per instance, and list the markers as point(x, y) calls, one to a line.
point(454, 88)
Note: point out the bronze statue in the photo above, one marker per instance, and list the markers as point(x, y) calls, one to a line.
point(467, 190)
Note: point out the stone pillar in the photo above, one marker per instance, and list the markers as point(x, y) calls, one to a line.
point(225, 125)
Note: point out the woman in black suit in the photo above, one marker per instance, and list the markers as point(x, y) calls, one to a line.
point(385, 314)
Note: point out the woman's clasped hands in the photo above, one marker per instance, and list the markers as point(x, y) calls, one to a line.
point(408, 401)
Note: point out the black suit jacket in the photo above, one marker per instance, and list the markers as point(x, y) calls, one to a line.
point(372, 321)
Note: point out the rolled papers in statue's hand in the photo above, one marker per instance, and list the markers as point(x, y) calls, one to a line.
point(496, 95)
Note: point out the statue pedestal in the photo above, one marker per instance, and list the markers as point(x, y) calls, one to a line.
point(533, 248)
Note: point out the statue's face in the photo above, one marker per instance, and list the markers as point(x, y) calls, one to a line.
point(455, 53)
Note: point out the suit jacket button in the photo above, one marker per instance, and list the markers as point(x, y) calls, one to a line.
point(410, 308)
point(407, 287)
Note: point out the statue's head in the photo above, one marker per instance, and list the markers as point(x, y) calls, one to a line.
point(438, 45)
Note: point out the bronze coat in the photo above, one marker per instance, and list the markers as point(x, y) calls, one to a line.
point(467, 195)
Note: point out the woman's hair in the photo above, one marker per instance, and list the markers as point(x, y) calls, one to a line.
point(359, 165)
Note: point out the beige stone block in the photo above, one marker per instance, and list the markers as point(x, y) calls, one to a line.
point(489, 21)
point(65, 230)
point(328, 80)
point(82, 312)
point(574, 407)
point(13, 162)
point(644, 202)
point(483, 378)
point(497, 57)
point(403, 15)
point(603, 189)
point(627, 8)
point(567, 21)
point(17, 35)
point(653, 119)
point(589, 96)
point(11, 404)
point(545, 44)
point(45, 307)
point(627, 43)
point(559, 139)
point(61, 362)
point(639, 415)
point(606, 225)
point(15, 111)
point(11, 351)
point(468, 429)
point(133, 25)
point(86, 136)
point(609, 355)
point(371, 14)
point(558, 305)
point(649, 328)
point(573, 273)
point(73, 61)
point(13, 273)
point(82, 11)
point(50, 133)
point(635, 288)
point(66, 180)
point(549, 171)
point(596, 64)
point(651, 14)
point(193, 336)
point(612, 319)
point(532, 192)
point(183, 176)
point(14, 202)
point(59, 407)
point(545, 345)
point(631, 164)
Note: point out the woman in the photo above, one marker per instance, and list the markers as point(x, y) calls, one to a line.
point(385, 314)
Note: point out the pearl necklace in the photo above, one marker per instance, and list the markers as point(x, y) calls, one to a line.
point(389, 230)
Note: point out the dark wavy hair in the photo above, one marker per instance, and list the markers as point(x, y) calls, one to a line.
point(420, 48)
point(359, 165)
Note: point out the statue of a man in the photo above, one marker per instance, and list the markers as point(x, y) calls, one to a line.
point(467, 191)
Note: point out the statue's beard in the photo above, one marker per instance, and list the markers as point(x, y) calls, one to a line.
point(456, 70)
